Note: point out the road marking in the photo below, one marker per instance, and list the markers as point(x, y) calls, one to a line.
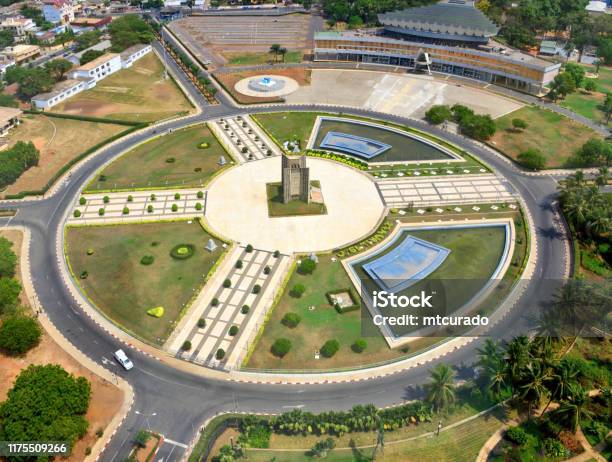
point(299, 406)
point(175, 443)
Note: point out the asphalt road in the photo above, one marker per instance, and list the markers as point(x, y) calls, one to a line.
point(181, 401)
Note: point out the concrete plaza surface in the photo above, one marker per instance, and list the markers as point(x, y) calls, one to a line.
point(400, 94)
point(237, 208)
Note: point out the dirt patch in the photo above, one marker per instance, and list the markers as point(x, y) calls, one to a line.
point(59, 141)
point(106, 399)
point(300, 75)
point(228, 435)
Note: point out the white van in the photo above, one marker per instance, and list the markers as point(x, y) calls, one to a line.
point(123, 359)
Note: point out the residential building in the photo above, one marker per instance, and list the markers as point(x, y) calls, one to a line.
point(597, 7)
point(5, 63)
point(19, 27)
point(60, 92)
point(91, 23)
point(97, 69)
point(58, 11)
point(9, 118)
point(451, 37)
point(133, 54)
point(21, 53)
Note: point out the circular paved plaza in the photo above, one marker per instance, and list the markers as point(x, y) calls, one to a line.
point(237, 207)
point(279, 86)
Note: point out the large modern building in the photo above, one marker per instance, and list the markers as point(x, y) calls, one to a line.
point(451, 37)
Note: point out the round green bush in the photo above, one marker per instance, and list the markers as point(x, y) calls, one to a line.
point(18, 334)
point(77, 213)
point(276, 254)
point(153, 197)
point(245, 309)
point(204, 145)
point(101, 212)
point(182, 251)
point(291, 320)
point(82, 201)
point(267, 270)
point(256, 288)
point(147, 260)
point(84, 274)
point(220, 354)
point(233, 330)
point(177, 196)
point(200, 194)
point(239, 264)
point(298, 290)
point(214, 302)
point(198, 206)
point(90, 251)
point(516, 435)
point(106, 199)
point(330, 348)
point(307, 266)
point(126, 211)
point(249, 248)
point(281, 347)
point(130, 199)
point(149, 209)
point(359, 346)
point(170, 160)
point(174, 208)
point(201, 323)
point(186, 346)
point(227, 283)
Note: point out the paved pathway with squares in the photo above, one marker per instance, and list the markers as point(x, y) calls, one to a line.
point(240, 133)
point(143, 206)
point(466, 189)
point(228, 310)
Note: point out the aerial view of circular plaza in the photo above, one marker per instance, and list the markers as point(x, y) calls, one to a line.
point(289, 232)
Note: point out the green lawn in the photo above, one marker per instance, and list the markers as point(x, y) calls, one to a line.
point(123, 288)
point(252, 59)
point(556, 136)
point(167, 161)
point(459, 444)
point(286, 126)
point(276, 207)
point(586, 104)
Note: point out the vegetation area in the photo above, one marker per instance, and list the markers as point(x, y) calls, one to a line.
point(46, 403)
point(253, 59)
point(177, 159)
point(284, 126)
point(551, 135)
point(35, 80)
point(16, 160)
point(107, 264)
point(140, 93)
point(477, 126)
point(129, 30)
point(277, 207)
point(589, 212)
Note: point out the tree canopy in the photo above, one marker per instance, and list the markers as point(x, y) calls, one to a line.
point(129, 30)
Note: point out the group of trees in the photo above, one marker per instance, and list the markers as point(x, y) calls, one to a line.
point(46, 403)
point(18, 333)
point(129, 30)
point(594, 153)
point(16, 160)
point(477, 126)
point(35, 80)
point(276, 49)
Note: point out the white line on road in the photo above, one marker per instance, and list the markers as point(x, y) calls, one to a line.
point(175, 443)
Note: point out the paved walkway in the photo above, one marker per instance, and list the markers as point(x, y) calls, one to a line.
point(141, 205)
point(245, 140)
point(422, 192)
point(258, 268)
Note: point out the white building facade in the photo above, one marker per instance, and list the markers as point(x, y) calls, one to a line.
point(133, 54)
point(98, 69)
point(61, 92)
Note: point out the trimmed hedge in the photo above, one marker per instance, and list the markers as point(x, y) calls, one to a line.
point(352, 294)
point(84, 118)
point(179, 254)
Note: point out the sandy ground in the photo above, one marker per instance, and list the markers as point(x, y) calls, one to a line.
point(59, 141)
point(106, 398)
point(401, 94)
point(237, 208)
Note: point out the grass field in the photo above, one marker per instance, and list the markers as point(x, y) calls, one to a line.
point(285, 126)
point(587, 105)
point(459, 444)
point(149, 165)
point(556, 136)
point(139, 93)
point(469, 258)
point(123, 288)
point(253, 59)
point(276, 207)
point(59, 141)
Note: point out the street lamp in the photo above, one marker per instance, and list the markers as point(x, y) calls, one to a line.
point(146, 416)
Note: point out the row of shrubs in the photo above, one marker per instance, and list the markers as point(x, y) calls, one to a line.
point(282, 346)
point(16, 160)
point(381, 233)
point(338, 158)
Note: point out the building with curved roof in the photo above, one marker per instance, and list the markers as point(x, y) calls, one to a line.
point(446, 21)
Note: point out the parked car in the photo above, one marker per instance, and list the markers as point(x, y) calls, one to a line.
point(122, 358)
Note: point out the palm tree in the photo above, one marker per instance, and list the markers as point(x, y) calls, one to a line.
point(574, 409)
point(534, 384)
point(489, 354)
point(441, 388)
point(603, 177)
point(516, 359)
point(563, 379)
point(283, 51)
point(493, 367)
point(380, 439)
point(275, 48)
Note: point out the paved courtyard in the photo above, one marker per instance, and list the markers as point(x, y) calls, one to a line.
point(244, 138)
point(438, 191)
point(402, 94)
point(237, 207)
point(141, 205)
point(228, 311)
